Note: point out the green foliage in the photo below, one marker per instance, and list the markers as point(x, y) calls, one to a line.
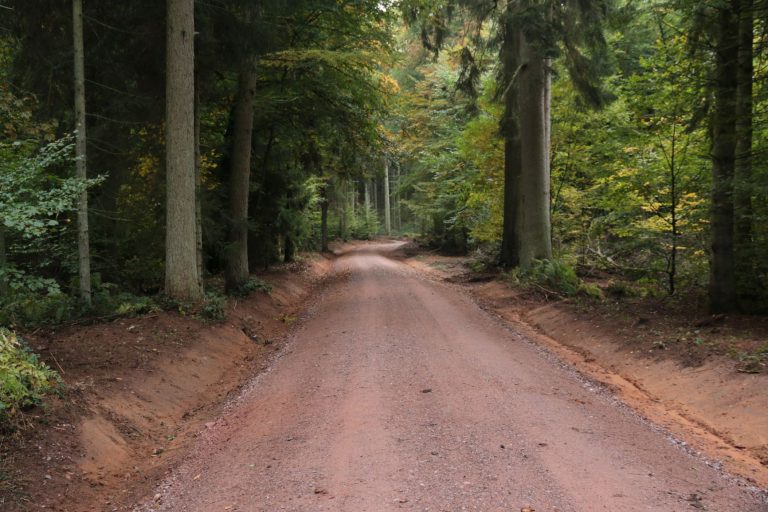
point(252, 285)
point(24, 380)
point(365, 224)
point(214, 307)
point(34, 309)
point(553, 277)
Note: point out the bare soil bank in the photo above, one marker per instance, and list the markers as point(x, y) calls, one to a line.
point(138, 390)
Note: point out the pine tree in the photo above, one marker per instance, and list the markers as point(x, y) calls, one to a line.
point(181, 270)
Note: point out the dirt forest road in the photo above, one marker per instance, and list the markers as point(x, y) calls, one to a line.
point(399, 393)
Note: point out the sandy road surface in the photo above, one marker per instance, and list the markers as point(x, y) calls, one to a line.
point(397, 392)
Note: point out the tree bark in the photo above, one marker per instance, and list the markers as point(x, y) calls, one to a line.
point(324, 219)
point(236, 272)
point(181, 279)
point(83, 240)
point(289, 249)
point(743, 188)
point(198, 188)
point(387, 205)
point(510, 239)
point(722, 288)
point(534, 206)
point(398, 223)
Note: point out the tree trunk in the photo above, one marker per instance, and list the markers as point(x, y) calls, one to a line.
point(324, 219)
point(289, 249)
point(398, 222)
point(743, 189)
point(181, 279)
point(534, 206)
point(510, 240)
point(236, 272)
point(343, 190)
point(83, 241)
point(387, 206)
point(722, 289)
point(198, 188)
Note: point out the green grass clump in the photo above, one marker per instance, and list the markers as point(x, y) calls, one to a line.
point(24, 380)
point(555, 277)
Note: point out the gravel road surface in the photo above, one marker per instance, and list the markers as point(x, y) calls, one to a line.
point(397, 392)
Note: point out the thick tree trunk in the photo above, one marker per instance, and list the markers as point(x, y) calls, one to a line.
point(510, 240)
point(722, 289)
point(236, 272)
point(743, 188)
point(534, 207)
point(181, 279)
point(83, 241)
point(387, 205)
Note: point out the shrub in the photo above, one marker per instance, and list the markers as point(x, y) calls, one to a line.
point(24, 380)
point(214, 307)
point(554, 276)
point(34, 309)
point(252, 285)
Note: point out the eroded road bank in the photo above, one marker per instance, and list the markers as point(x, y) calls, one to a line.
point(397, 392)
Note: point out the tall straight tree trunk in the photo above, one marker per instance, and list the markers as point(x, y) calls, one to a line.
point(742, 193)
point(236, 272)
point(722, 287)
point(510, 240)
point(343, 214)
point(324, 218)
point(181, 279)
point(534, 207)
point(83, 242)
point(198, 186)
point(397, 215)
point(387, 205)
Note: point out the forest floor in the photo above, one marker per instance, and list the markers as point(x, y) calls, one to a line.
point(387, 380)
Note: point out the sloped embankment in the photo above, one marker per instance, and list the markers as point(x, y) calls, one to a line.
point(138, 389)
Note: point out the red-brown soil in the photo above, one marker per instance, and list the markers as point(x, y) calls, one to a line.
point(675, 365)
point(397, 392)
point(137, 392)
point(392, 390)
